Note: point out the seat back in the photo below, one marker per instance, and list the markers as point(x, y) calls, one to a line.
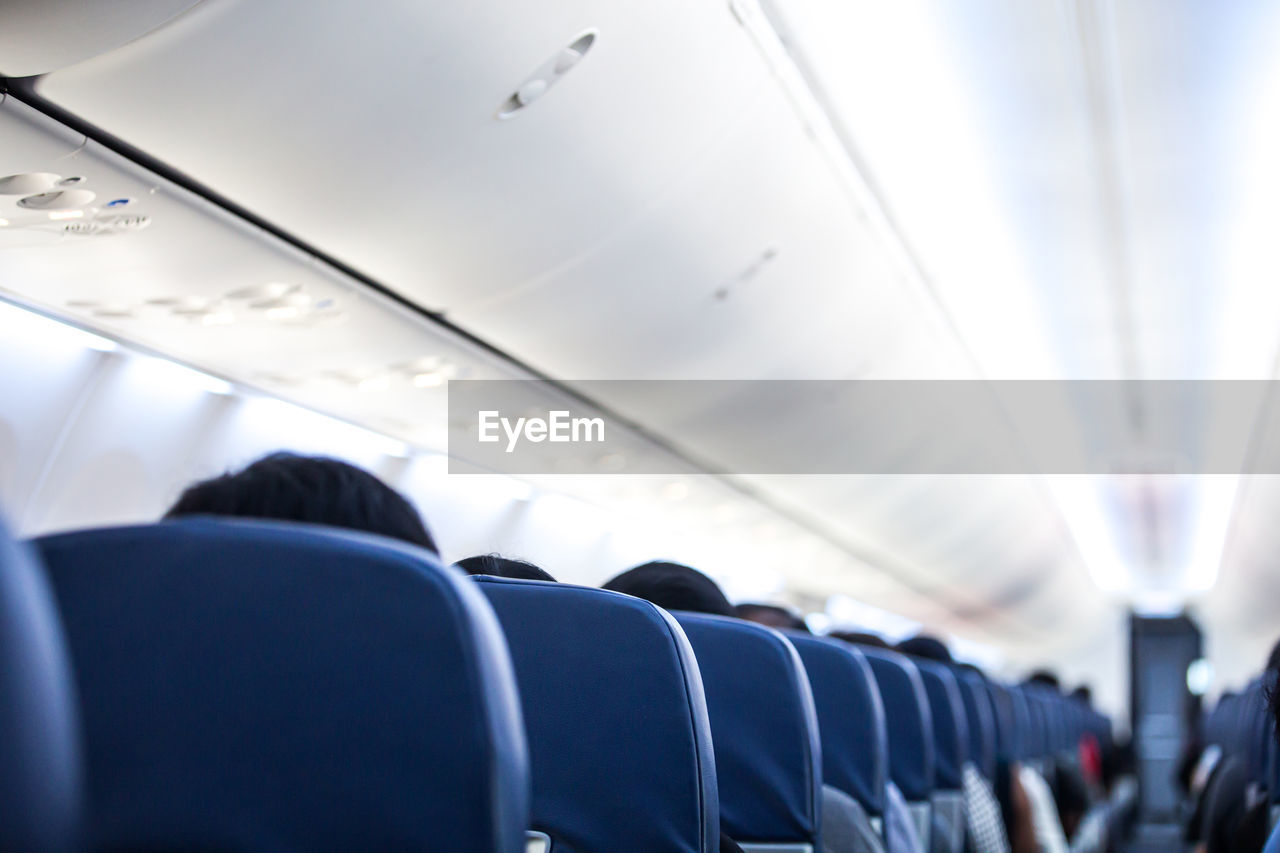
point(40, 762)
point(910, 726)
point(768, 754)
point(1024, 744)
point(1218, 726)
point(619, 738)
point(950, 723)
point(1008, 740)
point(265, 686)
point(851, 723)
point(982, 725)
point(950, 747)
point(1036, 737)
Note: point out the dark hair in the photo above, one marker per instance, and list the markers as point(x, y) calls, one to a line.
point(771, 615)
point(1083, 692)
point(924, 646)
point(502, 567)
point(674, 587)
point(1044, 677)
point(289, 487)
point(1271, 688)
point(859, 638)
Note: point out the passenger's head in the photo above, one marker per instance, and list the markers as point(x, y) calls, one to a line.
point(1044, 678)
point(502, 567)
point(860, 638)
point(924, 646)
point(674, 587)
point(1084, 693)
point(288, 487)
point(771, 615)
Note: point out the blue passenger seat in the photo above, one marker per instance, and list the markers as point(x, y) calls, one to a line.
point(951, 748)
point(982, 725)
point(765, 727)
point(261, 686)
point(619, 739)
point(40, 763)
point(851, 726)
point(910, 725)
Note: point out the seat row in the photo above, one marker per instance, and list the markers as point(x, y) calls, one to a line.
point(265, 686)
point(1236, 781)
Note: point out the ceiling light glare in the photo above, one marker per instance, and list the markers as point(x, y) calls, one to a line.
point(511, 489)
point(392, 446)
point(217, 318)
point(3, 223)
point(676, 491)
point(214, 385)
point(846, 612)
point(94, 342)
point(434, 465)
point(818, 623)
point(186, 375)
point(1159, 603)
point(57, 215)
point(264, 292)
point(725, 513)
point(432, 379)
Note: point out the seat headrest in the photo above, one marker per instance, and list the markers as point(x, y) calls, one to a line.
point(950, 724)
point(855, 753)
point(1036, 736)
point(1023, 744)
point(1218, 727)
point(1258, 729)
point(619, 738)
point(768, 755)
point(1056, 708)
point(1008, 738)
point(982, 724)
point(251, 685)
point(1273, 767)
point(40, 762)
point(910, 723)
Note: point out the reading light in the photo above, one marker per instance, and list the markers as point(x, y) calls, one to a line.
point(65, 214)
point(547, 75)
